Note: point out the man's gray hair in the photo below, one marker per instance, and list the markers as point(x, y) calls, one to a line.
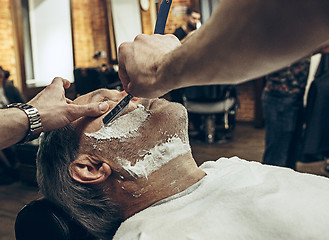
point(86, 203)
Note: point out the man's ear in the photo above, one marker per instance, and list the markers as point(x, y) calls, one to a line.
point(84, 169)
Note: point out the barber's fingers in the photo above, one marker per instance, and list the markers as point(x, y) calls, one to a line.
point(54, 92)
point(131, 73)
point(125, 80)
point(61, 82)
point(124, 53)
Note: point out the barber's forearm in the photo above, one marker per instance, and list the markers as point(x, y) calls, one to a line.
point(247, 39)
point(13, 126)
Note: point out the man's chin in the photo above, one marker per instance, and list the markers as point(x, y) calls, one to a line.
point(192, 27)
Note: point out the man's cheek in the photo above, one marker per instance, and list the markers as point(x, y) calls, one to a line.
point(94, 126)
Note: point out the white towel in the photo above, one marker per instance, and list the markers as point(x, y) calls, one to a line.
point(239, 199)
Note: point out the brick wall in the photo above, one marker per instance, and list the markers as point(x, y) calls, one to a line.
point(89, 32)
point(246, 93)
point(7, 43)
point(90, 29)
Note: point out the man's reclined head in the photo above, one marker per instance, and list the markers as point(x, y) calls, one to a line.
point(102, 175)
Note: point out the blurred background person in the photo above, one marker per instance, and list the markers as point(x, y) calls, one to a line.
point(192, 19)
point(283, 113)
point(8, 160)
point(316, 137)
point(8, 92)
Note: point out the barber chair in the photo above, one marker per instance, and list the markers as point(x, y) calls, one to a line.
point(87, 80)
point(43, 220)
point(112, 80)
point(26, 155)
point(90, 79)
point(215, 107)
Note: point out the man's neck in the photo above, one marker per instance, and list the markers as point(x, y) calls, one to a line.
point(134, 195)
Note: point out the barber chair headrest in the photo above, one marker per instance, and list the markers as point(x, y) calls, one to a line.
point(42, 219)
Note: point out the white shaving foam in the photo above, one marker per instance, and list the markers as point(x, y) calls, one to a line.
point(124, 127)
point(156, 158)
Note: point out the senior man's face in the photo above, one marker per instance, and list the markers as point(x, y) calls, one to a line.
point(145, 124)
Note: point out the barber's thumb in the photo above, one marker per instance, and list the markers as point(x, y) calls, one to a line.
point(103, 107)
point(96, 109)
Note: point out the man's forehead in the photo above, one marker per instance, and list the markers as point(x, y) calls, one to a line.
point(196, 15)
point(91, 96)
point(99, 92)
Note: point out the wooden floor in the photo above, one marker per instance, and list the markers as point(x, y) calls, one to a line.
point(248, 143)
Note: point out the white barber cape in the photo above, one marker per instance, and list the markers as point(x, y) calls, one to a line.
point(238, 200)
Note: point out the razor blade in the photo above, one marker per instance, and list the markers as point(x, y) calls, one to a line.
point(117, 110)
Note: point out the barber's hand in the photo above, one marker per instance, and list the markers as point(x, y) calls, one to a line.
point(57, 111)
point(139, 62)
